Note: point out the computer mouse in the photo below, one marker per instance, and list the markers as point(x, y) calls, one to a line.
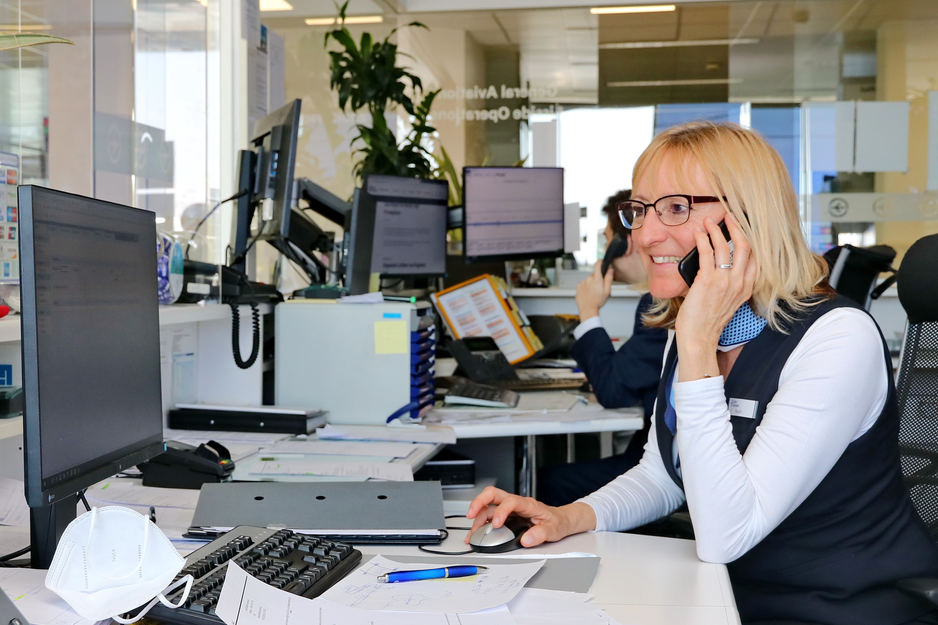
point(490, 539)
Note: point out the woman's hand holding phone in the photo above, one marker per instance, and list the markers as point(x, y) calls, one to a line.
point(715, 296)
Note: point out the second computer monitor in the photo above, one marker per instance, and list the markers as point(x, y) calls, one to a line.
point(409, 225)
point(512, 212)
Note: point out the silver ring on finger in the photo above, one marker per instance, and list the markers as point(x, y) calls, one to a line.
point(729, 266)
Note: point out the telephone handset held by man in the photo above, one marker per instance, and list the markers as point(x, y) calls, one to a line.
point(690, 264)
point(618, 246)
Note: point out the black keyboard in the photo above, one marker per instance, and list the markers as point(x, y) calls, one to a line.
point(463, 391)
point(297, 563)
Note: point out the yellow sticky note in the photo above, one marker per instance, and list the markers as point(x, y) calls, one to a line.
point(391, 337)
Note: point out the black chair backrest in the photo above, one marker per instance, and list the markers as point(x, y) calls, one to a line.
point(917, 384)
point(855, 270)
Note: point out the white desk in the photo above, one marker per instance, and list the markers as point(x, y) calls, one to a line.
point(581, 418)
point(641, 579)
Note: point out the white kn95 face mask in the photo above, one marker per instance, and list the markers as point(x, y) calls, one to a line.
point(113, 560)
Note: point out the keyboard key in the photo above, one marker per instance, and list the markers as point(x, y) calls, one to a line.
point(299, 567)
point(200, 606)
point(298, 587)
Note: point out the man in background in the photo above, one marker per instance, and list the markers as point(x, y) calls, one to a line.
point(627, 377)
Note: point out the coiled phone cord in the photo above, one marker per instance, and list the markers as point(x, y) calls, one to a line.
point(236, 335)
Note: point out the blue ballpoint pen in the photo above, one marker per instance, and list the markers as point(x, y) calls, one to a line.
point(448, 571)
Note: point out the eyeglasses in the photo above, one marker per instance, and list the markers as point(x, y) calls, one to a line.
point(673, 210)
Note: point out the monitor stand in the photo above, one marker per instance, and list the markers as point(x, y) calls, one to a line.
point(46, 526)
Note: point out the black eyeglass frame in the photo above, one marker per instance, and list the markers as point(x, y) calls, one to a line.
point(691, 200)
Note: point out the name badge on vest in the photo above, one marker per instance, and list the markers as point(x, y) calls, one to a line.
point(746, 408)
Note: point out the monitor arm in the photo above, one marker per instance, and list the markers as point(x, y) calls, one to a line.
point(322, 202)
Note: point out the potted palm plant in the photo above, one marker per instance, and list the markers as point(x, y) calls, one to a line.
point(367, 78)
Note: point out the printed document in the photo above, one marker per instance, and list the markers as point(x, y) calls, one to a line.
point(488, 589)
point(248, 601)
point(13, 508)
point(395, 472)
point(341, 448)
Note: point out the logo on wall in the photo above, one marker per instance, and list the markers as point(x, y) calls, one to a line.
point(928, 206)
point(884, 207)
point(838, 207)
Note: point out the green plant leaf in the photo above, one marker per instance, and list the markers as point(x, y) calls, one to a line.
point(11, 41)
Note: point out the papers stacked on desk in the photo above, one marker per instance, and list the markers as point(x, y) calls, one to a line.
point(13, 508)
point(40, 606)
point(496, 597)
point(413, 433)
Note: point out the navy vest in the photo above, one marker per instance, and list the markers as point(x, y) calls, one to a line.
point(835, 559)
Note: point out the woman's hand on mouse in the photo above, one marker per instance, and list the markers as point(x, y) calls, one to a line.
point(550, 523)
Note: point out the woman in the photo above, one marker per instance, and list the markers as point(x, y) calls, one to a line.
point(776, 418)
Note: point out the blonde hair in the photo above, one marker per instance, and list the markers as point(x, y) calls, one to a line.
point(743, 168)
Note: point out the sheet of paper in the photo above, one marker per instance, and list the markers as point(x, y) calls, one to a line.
point(547, 402)
point(365, 298)
point(197, 437)
point(531, 403)
point(247, 601)
point(14, 538)
point(13, 508)
point(40, 606)
point(392, 471)
point(494, 587)
point(343, 448)
point(535, 606)
point(550, 373)
point(122, 491)
point(413, 433)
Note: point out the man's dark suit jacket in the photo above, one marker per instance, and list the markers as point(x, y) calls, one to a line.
point(627, 377)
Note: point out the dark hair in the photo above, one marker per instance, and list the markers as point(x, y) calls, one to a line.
point(613, 215)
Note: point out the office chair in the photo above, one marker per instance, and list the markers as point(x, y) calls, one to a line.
point(855, 270)
point(917, 390)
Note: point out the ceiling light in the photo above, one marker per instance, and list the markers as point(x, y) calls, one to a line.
point(676, 83)
point(682, 43)
point(276, 5)
point(355, 19)
point(656, 8)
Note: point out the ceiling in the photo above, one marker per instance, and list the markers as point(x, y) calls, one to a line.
point(560, 47)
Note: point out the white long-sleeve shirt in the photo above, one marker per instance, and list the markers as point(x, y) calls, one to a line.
point(831, 391)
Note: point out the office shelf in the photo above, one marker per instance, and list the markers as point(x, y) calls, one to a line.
point(10, 329)
point(192, 313)
point(169, 315)
point(11, 427)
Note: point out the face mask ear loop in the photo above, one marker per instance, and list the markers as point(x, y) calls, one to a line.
point(188, 579)
point(143, 551)
point(161, 598)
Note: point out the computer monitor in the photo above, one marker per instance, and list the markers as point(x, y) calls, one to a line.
point(402, 223)
point(265, 176)
point(90, 349)
point(512, 212)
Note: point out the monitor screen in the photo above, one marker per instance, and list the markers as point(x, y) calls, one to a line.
point(265, 178)
point(513, 212)
point(91, 340)
point(409, 225)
